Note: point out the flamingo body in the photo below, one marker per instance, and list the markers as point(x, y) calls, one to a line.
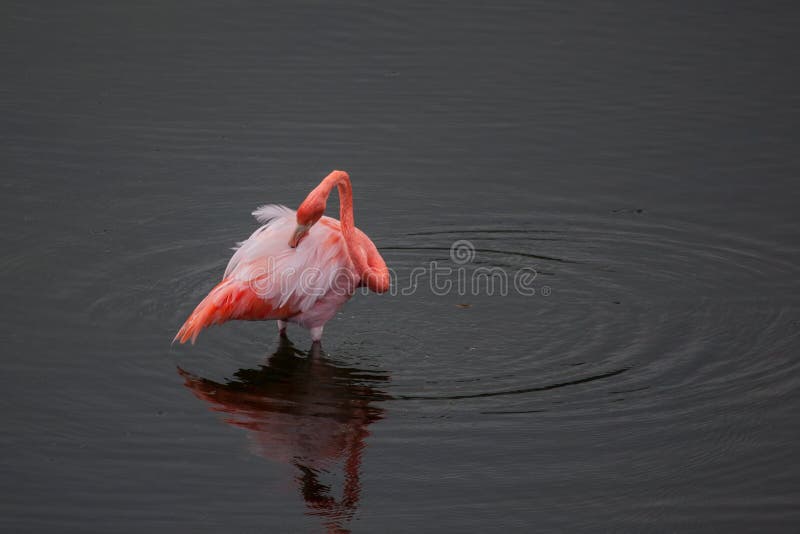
point(270, 279)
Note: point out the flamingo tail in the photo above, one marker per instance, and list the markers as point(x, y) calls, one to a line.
point(230, 299)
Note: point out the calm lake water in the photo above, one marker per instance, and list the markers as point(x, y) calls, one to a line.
point(640, 158)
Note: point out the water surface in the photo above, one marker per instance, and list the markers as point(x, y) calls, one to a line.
point(639, 158)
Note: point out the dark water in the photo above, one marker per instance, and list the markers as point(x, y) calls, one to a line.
point(641, 157)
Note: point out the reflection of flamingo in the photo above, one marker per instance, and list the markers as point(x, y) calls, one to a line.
point(307, 412)
point(294, 270)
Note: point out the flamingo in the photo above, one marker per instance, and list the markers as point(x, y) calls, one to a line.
point(299, 267)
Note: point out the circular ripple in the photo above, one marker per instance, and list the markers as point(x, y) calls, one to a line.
point(627, 317)
point(650, 318)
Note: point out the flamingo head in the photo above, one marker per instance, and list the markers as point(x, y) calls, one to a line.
point(309, 212)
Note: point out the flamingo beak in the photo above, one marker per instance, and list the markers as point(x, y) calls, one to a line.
point(299, 233)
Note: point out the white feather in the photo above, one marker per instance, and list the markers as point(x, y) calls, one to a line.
point(267, 212)
point(299, 277)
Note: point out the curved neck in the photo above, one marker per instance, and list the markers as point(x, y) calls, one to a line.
point(341, 180)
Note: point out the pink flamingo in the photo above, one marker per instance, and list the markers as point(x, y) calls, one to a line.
point(299, 267)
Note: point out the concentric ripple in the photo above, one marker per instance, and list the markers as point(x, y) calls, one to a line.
point(628, 315)
point(624, 313)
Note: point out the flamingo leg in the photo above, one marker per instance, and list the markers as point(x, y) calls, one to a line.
point(282, 327)
point(316, 334)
